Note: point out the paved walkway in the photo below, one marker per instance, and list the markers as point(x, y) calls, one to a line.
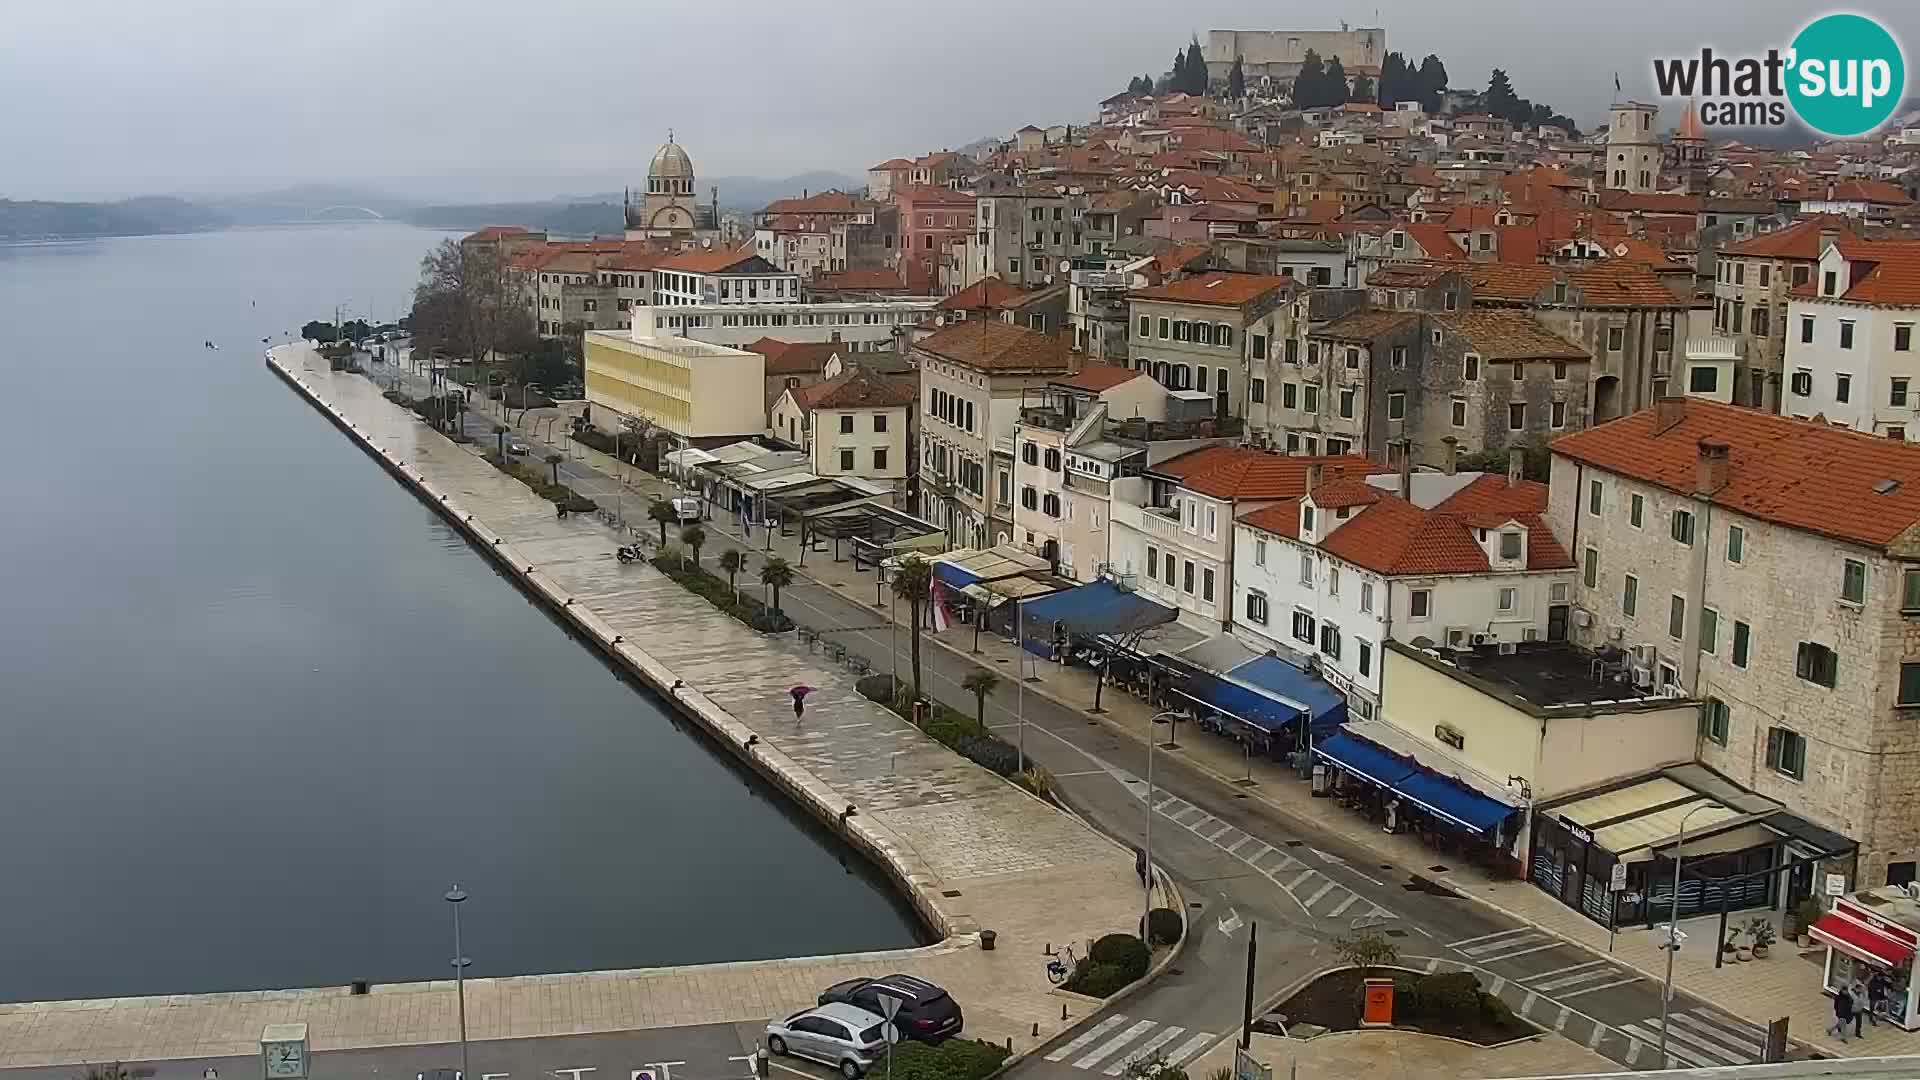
point(1785, 984)
point(977, 852)
point(1380, 1054)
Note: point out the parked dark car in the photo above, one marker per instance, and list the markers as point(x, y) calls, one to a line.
point(927, 1013)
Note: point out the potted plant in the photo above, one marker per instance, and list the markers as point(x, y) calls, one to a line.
point(1730, 948)
point(1761, 931)
point(1810, 912)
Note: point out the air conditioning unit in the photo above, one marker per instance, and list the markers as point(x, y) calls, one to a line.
point(1582, 617)
point(1482, 639)
point(1508, 648)
point(1642, 677)
point(1672, 690)
point(1615, 633)
point(1456, 636)
point(1645, 655)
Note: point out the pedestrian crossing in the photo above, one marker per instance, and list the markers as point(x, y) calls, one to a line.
point(1108, 1047)
point(1505, 945)
point(1697, 1039)
point(1578, 979)
point(1315, 892)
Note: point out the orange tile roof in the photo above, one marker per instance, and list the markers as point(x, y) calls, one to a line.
point(1364, 325)
point(825, 202)
point(987, 294)
point(992, 345)
point(1797, 473)
point(1801, 240)
point(1345, 491)
point(1877, 192)
point(1510, 335)
point(1417, 275)
point(879, 279)
point(1099, 377)
point(860, 389)
point(496, 232)
point(891, 165)
point(715, 261)
point(1281, 519)
point(1887, 274)
point(1228, 472)
point(794, 357)
point(1215, 288)
point(1621, 283)
point(1393, 536)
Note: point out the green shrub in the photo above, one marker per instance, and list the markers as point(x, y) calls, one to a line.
point(989, 753)
point(954, 1059)
point(1452, 995)
point(878, 689)
point(1124, 951)
point(1096, 979)
point(1163, 926)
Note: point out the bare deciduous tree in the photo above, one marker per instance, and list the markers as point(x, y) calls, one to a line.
point(469, 302)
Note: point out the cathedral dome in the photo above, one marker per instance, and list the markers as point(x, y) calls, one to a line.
point(671, 163)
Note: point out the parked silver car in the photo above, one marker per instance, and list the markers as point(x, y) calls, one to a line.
point(844, 1036)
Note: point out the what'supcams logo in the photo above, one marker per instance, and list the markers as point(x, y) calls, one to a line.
point(1843, 75)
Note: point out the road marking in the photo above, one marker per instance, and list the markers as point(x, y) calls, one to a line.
point(1286, 862)
point(1433, 965)
point(1560, 1023)
point(1496, 986)
point(1601, 986)
point(1214, 838)
point(1317, 894)
point(1162, 808)
point(1100, 1053)
point(1300, 879)
point(1633, 1051)
point(1237, 843)
point(1351, 899)
point(1651, 1035)
point(1523, 952)
point(1180, 813)
point(1144, 1050)
point(1080, 1041)
point(1562, 971)
point(1335, 859)
point(1489, 937)
point(1189, 1048)
point(1593, 1040)
point(1266, 849)
point(1527, 1003)
point(1729, 1040)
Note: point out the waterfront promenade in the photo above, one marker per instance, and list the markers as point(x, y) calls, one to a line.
point(972, 851)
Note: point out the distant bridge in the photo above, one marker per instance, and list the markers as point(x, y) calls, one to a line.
point(371, 215)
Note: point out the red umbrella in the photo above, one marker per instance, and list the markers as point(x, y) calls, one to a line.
point(800, 691)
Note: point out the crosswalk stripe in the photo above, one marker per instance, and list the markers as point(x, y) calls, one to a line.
point(1599, 986)
point(1080, 1041)
point(1521, 952)
point(1563, 971)
point(1488, 937)
point(1564, 980)
point(1100, 1053)
point(1266, 849)
point(1317, 894)
point(1678, 1035)
point(1593, 1038)
point(1651, 1036)
point(1301, 879)
point(1485, 948)
point(1214, 838)
point(1283, 862)
point(1237, 843)
point(1144, 1050)
point(1189, 1048)
point(1351, 899)
point(1736, 1041)
point(1560, 1025)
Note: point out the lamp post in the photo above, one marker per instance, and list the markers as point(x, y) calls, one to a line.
point(1146, 873)
point(1673, 921)
point(455, 897)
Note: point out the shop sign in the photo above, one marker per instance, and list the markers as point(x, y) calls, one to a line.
point(1577, 832)
point(1836, 884)
point(1618, 881)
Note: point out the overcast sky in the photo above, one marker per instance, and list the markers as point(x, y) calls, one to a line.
point(466, 99)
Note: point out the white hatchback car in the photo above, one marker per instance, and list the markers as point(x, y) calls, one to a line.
point(846, 1037)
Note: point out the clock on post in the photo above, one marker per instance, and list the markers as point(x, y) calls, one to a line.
point(283, 1051)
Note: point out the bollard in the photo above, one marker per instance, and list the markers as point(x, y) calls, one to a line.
point(1036, 1029)
point(1009, 1044)
point(760, 1066)
point(1063, 1012)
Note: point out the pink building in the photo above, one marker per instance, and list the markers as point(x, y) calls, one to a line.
point(930, 218)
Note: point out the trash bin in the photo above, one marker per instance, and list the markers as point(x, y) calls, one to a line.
point(986, 940)
point(1319, 781)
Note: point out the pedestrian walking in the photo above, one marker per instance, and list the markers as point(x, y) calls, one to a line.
point(1140, 864)
point(1842, 1014)
point(1876, 996)
point(1858, 992)
point(800, 700)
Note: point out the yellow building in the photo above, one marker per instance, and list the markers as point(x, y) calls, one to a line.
point(695, 390)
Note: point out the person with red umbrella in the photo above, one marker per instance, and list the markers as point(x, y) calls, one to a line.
point(800, 693)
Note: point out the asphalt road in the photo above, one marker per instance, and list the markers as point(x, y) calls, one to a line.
point(1240, 861)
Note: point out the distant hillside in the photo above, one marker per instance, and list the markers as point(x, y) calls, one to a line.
point(37, 220)
point(750, 193)
point(567, 219)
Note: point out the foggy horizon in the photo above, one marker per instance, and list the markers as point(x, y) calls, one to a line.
point(220, 97)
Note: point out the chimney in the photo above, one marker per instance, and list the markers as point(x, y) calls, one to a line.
point(1406, 469)
point(1667, 414)
point(1516, 466)
point(1452, 452)
point(1710, 469)
point(1313, 476)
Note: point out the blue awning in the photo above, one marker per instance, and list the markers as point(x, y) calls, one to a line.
point(1099, 607)
point(1437, 794)
point(953, 575)
point(1325, 707)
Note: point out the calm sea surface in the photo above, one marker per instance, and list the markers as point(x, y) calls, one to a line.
point(259, 707)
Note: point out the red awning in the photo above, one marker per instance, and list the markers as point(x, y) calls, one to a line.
point(1860, 941)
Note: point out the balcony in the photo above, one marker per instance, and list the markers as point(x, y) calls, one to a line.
point(1049, 419)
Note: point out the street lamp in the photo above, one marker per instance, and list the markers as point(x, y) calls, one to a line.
point(1673, 920)
point(1146, 867)
point(455, 897)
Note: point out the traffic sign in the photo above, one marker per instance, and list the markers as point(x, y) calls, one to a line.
point(891, 1033)
point(1618, 882)
point(890, 1005)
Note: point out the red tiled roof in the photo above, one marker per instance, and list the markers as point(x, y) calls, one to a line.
point(1509, 335)
point(1393, 536)
point(1099, 377)
point(794, 357)
point(1179, 257)
point(710, 262)
point(859, 389)
point(1887, 272)
point(1281, 519)
point(1801, 240)
point(878, 279)
point(1877, 192)
point(992, 345)
point(1364, 325)
point(1227, 472)
point(892, 165)
point(495, 232)
point(1797, 473)
point(1345, 491)
point(1216, 288)
point(825, 202)
point(987, 294)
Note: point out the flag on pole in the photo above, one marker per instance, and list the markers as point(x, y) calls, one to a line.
point(939, 603)
point(1616, 82)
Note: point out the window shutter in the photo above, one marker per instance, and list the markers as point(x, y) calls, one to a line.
point(1773, 747)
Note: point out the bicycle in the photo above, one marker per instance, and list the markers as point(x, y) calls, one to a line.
point(1060, 968)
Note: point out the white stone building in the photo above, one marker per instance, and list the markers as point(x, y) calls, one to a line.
point(1633, 148)
point(1768, 566)
point(1851, 356)
point(866, 326)
point(1456, 561)
point(855, 425)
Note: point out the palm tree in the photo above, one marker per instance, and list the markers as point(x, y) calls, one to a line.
point(662, 513)
point(775, 574)
point(732, 561)
point(912, 581)
point(553, 461)
point(693, 536)
point(980, 684)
